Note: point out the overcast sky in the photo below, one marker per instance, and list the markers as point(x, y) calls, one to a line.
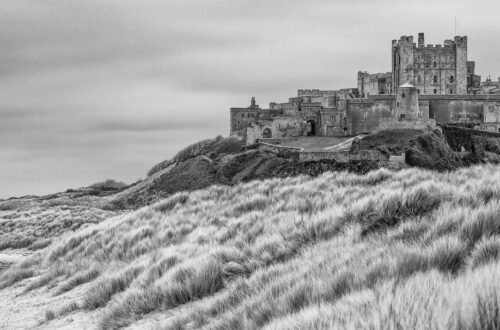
point(97, 89)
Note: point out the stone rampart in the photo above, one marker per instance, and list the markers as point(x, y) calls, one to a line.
point(281, 151)
point(471, 140)
point(344, 156)
point(338, 156)
point(392, 123)
point(278, 140)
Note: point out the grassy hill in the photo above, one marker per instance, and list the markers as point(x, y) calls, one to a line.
point(414, 249)
point(227, 161)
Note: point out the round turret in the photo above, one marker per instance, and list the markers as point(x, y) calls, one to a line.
point(407, 103)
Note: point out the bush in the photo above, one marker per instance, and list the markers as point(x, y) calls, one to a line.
point(108, 185)
point(49, 315)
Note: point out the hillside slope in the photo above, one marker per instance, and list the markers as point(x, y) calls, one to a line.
point(226, 161)
point(222, 161)
point(413, 249)
point(425, 150)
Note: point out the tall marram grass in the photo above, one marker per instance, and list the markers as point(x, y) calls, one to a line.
point(413, 249)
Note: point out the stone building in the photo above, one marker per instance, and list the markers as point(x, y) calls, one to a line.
point(433, 69)
point(490, 87)
point(374, 84)
point(440, 78)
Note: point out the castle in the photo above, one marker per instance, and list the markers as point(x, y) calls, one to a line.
point(428, 84)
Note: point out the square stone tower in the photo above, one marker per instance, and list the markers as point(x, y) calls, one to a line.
point(439, 69)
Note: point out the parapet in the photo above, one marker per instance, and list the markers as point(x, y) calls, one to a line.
point(406, 39)
point(307, 91)
point(460, 41)
point(448, 43)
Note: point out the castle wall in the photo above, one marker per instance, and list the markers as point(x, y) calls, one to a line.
point(327, 98)
point(461, 60)
point(363, 114)
point(462, 108)
point(448, 111)
point(393, 123)
point(240, 118)
point(492, 112)
point(435, 70)
point(344, 156)
point(474, 141)
point(332, 122)
point(280, 127)
point(374, 84)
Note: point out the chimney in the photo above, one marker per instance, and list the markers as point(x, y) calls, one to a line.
point(421, 40)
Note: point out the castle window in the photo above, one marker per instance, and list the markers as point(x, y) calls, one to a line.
point(403, 95)
point(452, 79)
point(435, 64)
point(435, 91)
point(418, 90)
point(242, 115)
point(451, 91)
point(435, 79)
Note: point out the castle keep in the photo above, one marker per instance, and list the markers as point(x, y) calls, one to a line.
point(428, 84)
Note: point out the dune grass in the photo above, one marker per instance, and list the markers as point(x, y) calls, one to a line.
point(414, 249)
point(36, 228)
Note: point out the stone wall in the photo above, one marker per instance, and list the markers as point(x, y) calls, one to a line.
point(471, 140)
point(278, 140)
point(281, 151)
point(326, 98)
point(461, 60)
point(344, 156)
point(241, 117)
point(363, 114)
point(338, 156)
point(419, 124)
point(374, 84)
point(397, 162)
point(276, 128)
